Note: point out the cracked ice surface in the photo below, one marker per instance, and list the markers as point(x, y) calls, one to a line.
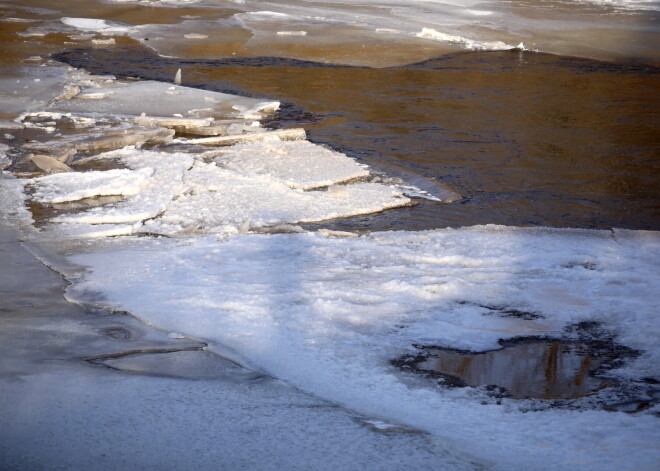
point(327, 315)
point(178, 194)
point(165, 183)
point(221, 200)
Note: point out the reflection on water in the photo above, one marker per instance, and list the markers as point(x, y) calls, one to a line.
point(527, 139)
point(542, 370)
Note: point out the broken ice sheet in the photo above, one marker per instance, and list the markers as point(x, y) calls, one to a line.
point(165, 183)
point(103, 140)
point(155, 99)
point(298, 164)
point(223, 201)
point(64, 187)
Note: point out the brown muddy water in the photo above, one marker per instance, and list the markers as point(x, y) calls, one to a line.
point(526, 139)
point(560, 372)
point(542, 370)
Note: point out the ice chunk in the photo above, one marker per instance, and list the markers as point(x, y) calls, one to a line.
point(65, 187)
point(258, 111)
point(49, 164)
point(299, 164)
point(88, 231)
point(165, 183)
point(177, 77)
point(220, 200)
point(153, 99)
point(277, 135)
point(184, 124)
point(97, 25)
point(104, 140)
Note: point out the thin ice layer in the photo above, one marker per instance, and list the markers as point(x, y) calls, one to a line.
point(165, 183)
point(327, 315)
point(156, 99)
point(298, 164)
point(63, 187)
point(221, 200)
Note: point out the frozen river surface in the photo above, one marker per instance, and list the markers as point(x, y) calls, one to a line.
point(252, 214)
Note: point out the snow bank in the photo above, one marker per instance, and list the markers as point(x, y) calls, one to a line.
point(327, 315)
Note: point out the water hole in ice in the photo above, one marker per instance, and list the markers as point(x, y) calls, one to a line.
point(557, 371)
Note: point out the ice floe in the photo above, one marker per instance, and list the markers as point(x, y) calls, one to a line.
point(97, 25)
point(430, 33)
point(299, 164)
point(165, 183)
point(177, 193)
point(223, 201)
point(61, 188)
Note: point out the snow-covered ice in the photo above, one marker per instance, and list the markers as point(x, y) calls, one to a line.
point(327, 314)
point(175, 193)
point(299, 164)
point(97, 25)
point(165, 183)
point(221, 200)
point(65, 187)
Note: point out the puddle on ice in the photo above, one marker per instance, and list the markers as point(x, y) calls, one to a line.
point(539, 369)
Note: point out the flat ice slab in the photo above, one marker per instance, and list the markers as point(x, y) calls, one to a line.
point(298, 164)
point(177, 193)
point(165, 183)
point(63, 187)
point(221, 200)
point(159, 99)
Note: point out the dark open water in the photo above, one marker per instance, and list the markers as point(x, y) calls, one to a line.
point(525, 138)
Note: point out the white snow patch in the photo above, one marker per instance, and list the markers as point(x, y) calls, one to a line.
point(327, 314)
point(292, 33)
point(195, 36)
